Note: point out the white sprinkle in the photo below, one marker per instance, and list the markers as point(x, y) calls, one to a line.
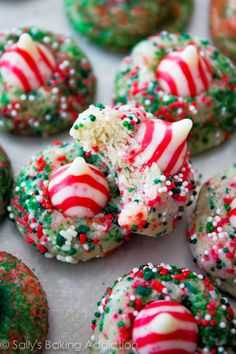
point(100, 309)
point(55, 45)
point(48, 255)
point(222, 325)
point(23, 97)
point(46, 39)
point(55, 90)
point(70, 259)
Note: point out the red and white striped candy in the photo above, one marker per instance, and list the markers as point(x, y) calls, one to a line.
point(79, 189)
point(27, 65)
point(185, 73)
point(163, 143)
point(165, 327)
point(232, 213)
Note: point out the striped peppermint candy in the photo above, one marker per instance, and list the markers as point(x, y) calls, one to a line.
point(27, 65)
point(232, 213)
point(185, 73)
point(163, 143)
point(165, 327)
point(78, 189)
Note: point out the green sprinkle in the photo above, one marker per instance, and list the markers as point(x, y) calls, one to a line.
point(120, 324)
point(99, 105)
point(134, 228)
point(144, 291)
point(92, 117)
point(60, 240)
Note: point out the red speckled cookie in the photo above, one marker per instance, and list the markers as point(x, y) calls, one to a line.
point(223, 25)
point(24, 308)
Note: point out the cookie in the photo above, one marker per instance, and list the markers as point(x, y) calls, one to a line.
point(163, 309)
point(149, 160)
point(65, 204)
point(176, 76)
point(223, 26)
point(212, 230)
point(5, 182)
point(44, 80)
point(24, 308)
point(116, 24)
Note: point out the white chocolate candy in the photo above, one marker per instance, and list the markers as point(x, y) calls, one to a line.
point(79, 167)
point(26, 42)
point(185, 73)
point(27, 65)
point(78, 189)
point(164, 326)
point(162, 143)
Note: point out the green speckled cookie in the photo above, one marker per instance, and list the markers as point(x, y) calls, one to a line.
point(119, 24)
point(212, 231)
point(176, 76)
point(163, 309)
point(62, 209)
point(5, 182)
point(24, 308)
point(45, 80)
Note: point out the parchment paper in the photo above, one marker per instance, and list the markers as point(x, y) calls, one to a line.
point(73, 290)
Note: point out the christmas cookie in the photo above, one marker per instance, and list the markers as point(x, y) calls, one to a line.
point(116, 23)
point(5, 182)
point(223, 25)
point(212, 231)
point(65, 204)
point(175, 76)
point(24, 308)
point(44, 80)
point(163, 309)
point(149, 160)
